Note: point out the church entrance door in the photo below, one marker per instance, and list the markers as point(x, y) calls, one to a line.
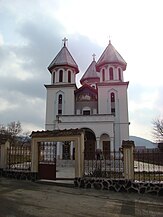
point(89, 145)
point(47, 160)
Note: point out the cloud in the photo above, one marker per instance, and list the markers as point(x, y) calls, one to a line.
point(30, 37)
point(1, 40)
point(23, 70)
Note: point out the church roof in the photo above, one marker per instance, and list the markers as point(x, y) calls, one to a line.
point(91, 72)
point(111, 55)
point(85, 87)
point(64, 58)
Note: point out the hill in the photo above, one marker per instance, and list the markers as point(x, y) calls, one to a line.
point(142, 142)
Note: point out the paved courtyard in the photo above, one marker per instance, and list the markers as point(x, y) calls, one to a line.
point(28, 199)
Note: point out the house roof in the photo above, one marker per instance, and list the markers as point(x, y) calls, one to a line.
point(111, 55)
point(63, 58)
point(91, 73)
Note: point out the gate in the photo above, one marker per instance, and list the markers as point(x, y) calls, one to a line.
point(47, 160)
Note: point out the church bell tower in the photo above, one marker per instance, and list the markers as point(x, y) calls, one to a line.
point(60, 93)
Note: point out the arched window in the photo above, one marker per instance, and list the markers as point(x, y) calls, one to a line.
point(112, 99)
point(60, 75)
point(69, 76)
point(60, 99)
point(94, 86)
point(53, 77)
point(119, 74)
point(103, 75)
point(60, 104)
point(111, 73)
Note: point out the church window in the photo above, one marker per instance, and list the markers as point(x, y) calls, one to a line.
point(53, 77)
point(119, 74)
point(60, 75)
point(60, 99)
point(111, 73)
point(69, 76)
point(112, 96)
point(103, 75)
point(94, 86)
point(59, 111)
point(86, 112)
point(60, 104)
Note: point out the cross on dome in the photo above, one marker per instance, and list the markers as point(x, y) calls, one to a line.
point(94, 55)
point(64, 41)
point(109, 39)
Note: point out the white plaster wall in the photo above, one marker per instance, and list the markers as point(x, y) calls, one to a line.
point(98, 129)
point(102, 99)
point(51, 104)
point(121, 118)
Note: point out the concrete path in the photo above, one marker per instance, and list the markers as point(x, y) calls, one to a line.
point(28, 199)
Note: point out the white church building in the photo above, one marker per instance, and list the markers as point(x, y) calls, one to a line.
point(99, 106)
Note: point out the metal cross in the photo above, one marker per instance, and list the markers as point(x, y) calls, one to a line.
point(94, 55)
point(109, 39)
point(64, 41)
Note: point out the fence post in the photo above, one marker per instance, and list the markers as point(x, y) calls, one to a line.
point(3, 155)
point(34, 156)
point(128, 149)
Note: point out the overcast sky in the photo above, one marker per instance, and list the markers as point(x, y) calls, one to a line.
point(31, 33)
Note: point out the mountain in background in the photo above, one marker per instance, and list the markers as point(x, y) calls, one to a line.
point(143, 142)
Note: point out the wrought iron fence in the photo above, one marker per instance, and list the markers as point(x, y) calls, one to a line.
point(19, 158)
point(47, 152)
point(104, 167)
point(148, 165)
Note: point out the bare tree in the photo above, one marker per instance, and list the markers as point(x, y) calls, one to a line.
point(158, 130)
point(11, 131)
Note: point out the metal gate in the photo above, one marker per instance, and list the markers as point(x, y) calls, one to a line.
point(47, 160)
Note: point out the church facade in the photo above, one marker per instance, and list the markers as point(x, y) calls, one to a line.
point(99, 106)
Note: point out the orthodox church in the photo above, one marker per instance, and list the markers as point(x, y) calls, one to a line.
point(99, 106)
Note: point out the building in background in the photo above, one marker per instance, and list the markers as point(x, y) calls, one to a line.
point(100, 105)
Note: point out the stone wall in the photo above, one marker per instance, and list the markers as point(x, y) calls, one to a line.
point(120, 185)
point(21, 175)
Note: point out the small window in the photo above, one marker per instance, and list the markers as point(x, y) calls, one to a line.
point(86, 112)
point(60, 75)
point(112, 97)
point(60, 104)
point(119, 74)
point(113, 110)
point(60, 99)
point(59, 111)
point(69, 76)
point(103, 75)
point(53, 77)
point(94, 86)
point(111, 73)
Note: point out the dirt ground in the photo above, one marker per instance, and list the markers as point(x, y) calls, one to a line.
point(29, 199)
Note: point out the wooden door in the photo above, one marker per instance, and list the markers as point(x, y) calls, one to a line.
point(106, 150)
